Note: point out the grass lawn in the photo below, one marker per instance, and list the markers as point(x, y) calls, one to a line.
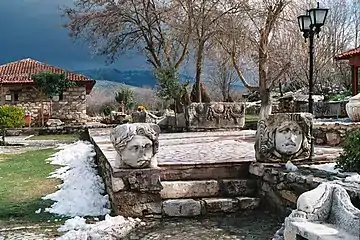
point(251, 118)
point(23, 181)
point(59, 137)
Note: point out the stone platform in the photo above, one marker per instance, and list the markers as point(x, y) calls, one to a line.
point(200, 173)
point(203, 148)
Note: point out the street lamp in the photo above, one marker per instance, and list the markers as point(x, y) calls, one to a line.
point(310, 24)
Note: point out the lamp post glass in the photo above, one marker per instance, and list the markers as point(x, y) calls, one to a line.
point(318, 16)
point(304, 23)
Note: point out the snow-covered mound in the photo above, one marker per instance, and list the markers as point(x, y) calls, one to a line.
point(81, 193)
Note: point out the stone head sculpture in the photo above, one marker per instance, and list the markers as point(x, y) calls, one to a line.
point(288, 138)
point(283, 137)
point(136, 144)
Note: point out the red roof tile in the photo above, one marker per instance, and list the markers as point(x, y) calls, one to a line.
point(21, 71)
point(348, 54)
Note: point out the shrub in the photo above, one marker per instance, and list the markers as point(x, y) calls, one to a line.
point(349, 159)
point(10, 117)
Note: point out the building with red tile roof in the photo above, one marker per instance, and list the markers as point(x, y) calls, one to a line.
point(353, 56)
point(17, 88)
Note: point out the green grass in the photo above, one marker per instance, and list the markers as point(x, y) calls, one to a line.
point(251, 118)
point(23, 181)
point(59, 137)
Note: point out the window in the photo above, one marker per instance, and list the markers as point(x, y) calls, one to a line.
point(12, 96)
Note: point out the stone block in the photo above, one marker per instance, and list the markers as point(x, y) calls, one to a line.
point(248, 203)
point(333, 138)
point(117, 184)
point(237, 187)
point(181, 208)
point(257, 169)
point(142, 180)
point(289, 195)
point(136, 204)
point(221, 205)
point(189, 189)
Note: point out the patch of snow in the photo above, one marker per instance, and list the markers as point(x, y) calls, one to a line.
point(329, 167)
point(75, 223)
point(80, 194)
point(111, 228)
point(290, 166)
point(353, 178)
point(38, 211)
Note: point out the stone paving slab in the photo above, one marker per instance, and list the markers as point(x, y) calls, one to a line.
point(191, 148)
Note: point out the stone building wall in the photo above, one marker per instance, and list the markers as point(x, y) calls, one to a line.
point(279, 189)
point(70, 109)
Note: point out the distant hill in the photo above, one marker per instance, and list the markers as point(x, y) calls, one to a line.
point(136, 78)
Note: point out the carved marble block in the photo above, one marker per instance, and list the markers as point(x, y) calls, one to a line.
point(136, 144)
point(283, 137)
point(324, 213)
point(215, 115)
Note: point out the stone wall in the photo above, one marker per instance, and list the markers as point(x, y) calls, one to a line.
point(332, 134)
point(279, 189)
point(72, 108)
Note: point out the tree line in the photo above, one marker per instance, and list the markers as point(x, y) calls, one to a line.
point(255, 42)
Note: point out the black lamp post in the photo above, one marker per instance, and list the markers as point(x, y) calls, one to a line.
point(310, 24)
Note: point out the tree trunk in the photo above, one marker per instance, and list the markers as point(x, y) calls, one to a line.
point(266, 106)
point(199, 63)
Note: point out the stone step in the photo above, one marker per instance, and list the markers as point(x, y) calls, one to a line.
point(197, 207)
point(226, 170)
point(208, 188)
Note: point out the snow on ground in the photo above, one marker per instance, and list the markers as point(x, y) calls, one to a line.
point(330, 167)
point(111, 228)
point(81, 194)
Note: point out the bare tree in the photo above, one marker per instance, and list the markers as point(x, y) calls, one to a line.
point(158, 29)
point(253, 30)
point(222, 75)
point(207, 15)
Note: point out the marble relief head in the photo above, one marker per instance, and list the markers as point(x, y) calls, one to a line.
point(283, 137)
point(136, 144)
point(288, 137)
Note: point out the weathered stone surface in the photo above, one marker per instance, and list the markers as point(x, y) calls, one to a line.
point(117, 184)
point(248, 203)
point(325, 212)
point(72, 108)
point(205, 171)
point(142, 180)
point(181, 208)
point(189, 189)
point(333, 138)
point(257, 169)
point(221, 205)
point(283, 137)
point(215, 115)
point(136, 144)
point(288, 195)
point(234, 188)
point(136, 204)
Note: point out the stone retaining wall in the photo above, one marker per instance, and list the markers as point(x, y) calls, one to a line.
point(279, 188)
point(332, 134)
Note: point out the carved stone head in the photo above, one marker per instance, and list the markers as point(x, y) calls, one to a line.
point(136, 144)
point(283, 137)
